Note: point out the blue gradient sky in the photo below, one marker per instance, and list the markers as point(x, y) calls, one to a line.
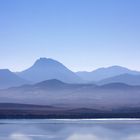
point(82, 34)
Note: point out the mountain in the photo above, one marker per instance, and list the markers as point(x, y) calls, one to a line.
point(9, 79)
point(103, 73)
point(59, 94)
point(123, 78)
point(45, 69)
point(57, 85)
point(52, 85)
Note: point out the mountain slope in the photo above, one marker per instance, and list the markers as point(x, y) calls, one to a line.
point(124, 78)
point(59, 94)
point(103, 73)
point(45, 69)
point(9, 79)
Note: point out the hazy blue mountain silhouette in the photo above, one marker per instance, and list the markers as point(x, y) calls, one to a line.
point(56, 93)
point(51, 84)
point(45, 69)
point(103, 73)
point(55, 84)
point(9, 79)
point(123, 78)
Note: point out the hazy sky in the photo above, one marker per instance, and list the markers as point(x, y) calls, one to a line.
point(82, 34)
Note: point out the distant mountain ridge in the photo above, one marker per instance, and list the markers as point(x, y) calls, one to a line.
point(104, 73)
point(46, 68)
point(9, 79)
point(123, 78)
point(56, 93)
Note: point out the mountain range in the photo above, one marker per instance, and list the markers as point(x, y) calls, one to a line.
point(46, 69)
point(104, 73)
point(56, 93)
point(123, 78)
point(49, 89)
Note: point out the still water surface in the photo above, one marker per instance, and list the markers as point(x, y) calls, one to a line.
point(70, 129)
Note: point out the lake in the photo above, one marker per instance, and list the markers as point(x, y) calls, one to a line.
point(99, 129)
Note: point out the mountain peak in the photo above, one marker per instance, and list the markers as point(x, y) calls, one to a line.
point(4, 70)
point(115, 67)
point(43, 61)
point(10, 79)
point(47, 68)
point(50, 82)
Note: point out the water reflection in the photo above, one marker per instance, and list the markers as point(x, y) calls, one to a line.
point(69, 130)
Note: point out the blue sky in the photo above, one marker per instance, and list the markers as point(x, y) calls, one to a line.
point(82, 34)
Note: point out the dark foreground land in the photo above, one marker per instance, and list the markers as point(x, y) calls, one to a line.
point(23, 111)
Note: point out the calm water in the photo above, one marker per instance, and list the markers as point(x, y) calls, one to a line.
point(69, 129)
